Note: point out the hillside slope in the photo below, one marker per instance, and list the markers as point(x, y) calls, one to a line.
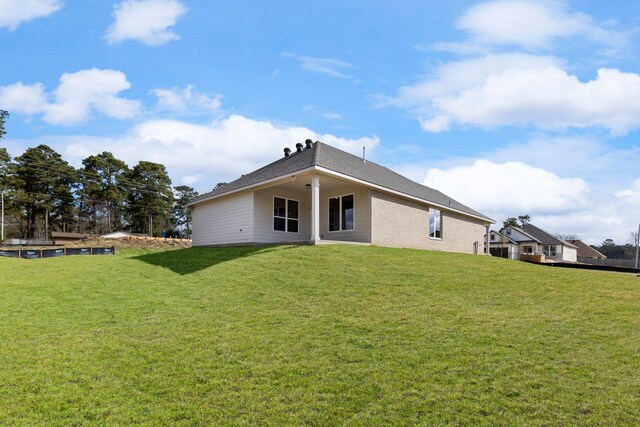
point(315, 335)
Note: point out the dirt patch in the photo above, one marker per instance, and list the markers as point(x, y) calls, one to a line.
point(132, 242)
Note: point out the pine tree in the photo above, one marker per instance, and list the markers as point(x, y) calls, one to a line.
point(150, 198)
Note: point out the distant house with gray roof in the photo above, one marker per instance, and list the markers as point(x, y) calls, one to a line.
point(529, 239)
point(320, 193)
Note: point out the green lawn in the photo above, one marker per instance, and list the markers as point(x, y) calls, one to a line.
point(321, 335)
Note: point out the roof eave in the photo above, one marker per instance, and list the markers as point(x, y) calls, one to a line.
point(344, 177)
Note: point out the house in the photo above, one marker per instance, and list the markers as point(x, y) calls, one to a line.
point(320, 193)
point(529, 239)
point(586, 251)
point(61, 238)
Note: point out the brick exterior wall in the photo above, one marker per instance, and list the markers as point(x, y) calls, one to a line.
point(403, 223)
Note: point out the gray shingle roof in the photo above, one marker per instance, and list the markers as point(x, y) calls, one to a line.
point(339, 161)
point(544, 237)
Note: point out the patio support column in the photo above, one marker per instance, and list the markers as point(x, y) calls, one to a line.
point(486, 243)
point(315, 209)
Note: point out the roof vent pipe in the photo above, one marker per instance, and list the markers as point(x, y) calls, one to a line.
point(299, 147)
point(287, 151)
point(308, 143)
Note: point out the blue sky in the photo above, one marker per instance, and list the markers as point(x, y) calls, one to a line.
point(511, 106)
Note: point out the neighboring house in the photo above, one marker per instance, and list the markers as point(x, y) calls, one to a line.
point(586, 251)
point(60, 238)
point(530, 239)
point(321, 193)
point(512, 242)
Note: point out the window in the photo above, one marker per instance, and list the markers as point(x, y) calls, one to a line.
point(285, 215)
point(528, 249)
point(341, 213)
point(435, 223)
point(549, 250)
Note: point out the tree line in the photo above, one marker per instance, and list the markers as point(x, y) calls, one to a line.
point(44, 193)
point(612, 250)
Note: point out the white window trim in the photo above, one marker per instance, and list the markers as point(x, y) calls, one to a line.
point(286, 218)
point(340, 213)
point(441, 225)
point(544, 250)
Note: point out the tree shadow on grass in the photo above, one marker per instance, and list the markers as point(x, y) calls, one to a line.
point(191, 260)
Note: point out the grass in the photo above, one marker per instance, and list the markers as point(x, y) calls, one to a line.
point(324, 335)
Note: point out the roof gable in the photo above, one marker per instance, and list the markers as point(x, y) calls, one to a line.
point(518, 234)
point(497, 237)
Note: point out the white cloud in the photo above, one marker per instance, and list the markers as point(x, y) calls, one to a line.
point(532, 93)
point(187, 99)
point(436, 124)
point(210, 153)
point(76, 97)
point(521, 89)
point(15, 12)
point(455, 77)
point(511, 186)
point(550, 99)
point(327, 66)
point(631, 196)
point(610, 214)
point(315, 111)
point(592, 226)
point(532, 24)
point(190, 179)
point(603, 164)
point(146, 21)
point(23, 99)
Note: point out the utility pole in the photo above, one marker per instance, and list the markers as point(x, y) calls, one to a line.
point(637, 245)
